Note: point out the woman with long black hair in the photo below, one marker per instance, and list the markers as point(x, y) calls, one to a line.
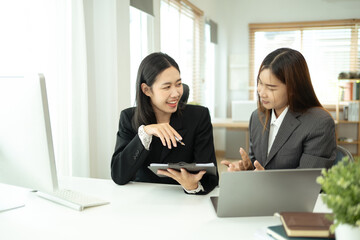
point(163, 129)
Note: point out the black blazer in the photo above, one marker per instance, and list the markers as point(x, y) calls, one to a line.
point(130, 160)
point(304, 140)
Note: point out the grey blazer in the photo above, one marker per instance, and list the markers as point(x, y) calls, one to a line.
point(304, 140)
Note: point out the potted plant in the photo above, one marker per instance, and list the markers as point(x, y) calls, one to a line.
point(341, 186)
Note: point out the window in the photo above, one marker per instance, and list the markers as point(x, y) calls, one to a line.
point(141, 43)
point(329, 47)
point(182, 27)
point(35, 38)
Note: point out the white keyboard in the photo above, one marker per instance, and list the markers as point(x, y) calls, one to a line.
point(72, 199)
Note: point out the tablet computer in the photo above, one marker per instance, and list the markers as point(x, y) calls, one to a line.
point(190, 167)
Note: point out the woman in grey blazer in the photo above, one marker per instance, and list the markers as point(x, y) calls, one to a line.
point(290, 128)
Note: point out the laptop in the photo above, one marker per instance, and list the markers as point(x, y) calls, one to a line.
point(263, 193)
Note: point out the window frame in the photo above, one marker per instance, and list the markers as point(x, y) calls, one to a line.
point(146, 47)
point(197, 15)
point(301, 26)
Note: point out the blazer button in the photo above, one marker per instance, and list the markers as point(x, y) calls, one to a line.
point(136, 154)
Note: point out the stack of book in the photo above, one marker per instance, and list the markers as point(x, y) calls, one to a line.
point(302, 226)
point(350, 91)
point(353, 111)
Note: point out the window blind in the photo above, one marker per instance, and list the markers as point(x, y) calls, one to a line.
point(182, 37)
point(329, 47)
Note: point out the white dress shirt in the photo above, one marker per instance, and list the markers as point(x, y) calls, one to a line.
point(275, 124)
point(144, 137)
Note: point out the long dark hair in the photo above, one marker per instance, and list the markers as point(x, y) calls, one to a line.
point(150, 67)
point(290, 67)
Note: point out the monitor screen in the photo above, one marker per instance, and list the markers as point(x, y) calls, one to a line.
point(26, 148)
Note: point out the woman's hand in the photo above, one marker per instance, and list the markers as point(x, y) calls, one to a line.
point(242, 165)
point(187, 180)
point(258, 166)
point(165, 132)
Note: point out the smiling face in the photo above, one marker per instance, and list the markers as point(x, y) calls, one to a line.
point(272, 92)
point(165, 93)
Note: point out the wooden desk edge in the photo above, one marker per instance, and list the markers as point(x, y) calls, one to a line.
point(229, 123)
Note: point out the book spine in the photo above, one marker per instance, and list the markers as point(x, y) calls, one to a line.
point(346, 112)
point(350, 112)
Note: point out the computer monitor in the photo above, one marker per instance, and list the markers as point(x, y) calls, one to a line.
point(26, 147)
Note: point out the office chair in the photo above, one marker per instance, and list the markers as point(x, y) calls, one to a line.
point(342, 152)
point(186, 93)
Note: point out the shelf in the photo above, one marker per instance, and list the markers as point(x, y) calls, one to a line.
point(350, 129)
point(345, 142)
point(346, 121)
point(345, 102)
point(349, 80)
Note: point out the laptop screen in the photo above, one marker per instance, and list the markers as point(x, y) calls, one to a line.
point(262, 193)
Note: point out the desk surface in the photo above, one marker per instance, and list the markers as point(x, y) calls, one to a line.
point(136, 211)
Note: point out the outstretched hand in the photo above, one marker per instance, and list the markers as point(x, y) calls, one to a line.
point(187, 180)
point(258, 166)
point(244, 164)
point(165, 132)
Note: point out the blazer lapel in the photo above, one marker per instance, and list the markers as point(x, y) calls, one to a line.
point(264, 143)
point(176, 123)
point(289, 124)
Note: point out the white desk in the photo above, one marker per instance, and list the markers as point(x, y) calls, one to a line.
point(136, 211)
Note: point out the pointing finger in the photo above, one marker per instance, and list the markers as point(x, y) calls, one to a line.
point(258, 166)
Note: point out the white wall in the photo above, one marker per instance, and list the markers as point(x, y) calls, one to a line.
point(108, 40)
